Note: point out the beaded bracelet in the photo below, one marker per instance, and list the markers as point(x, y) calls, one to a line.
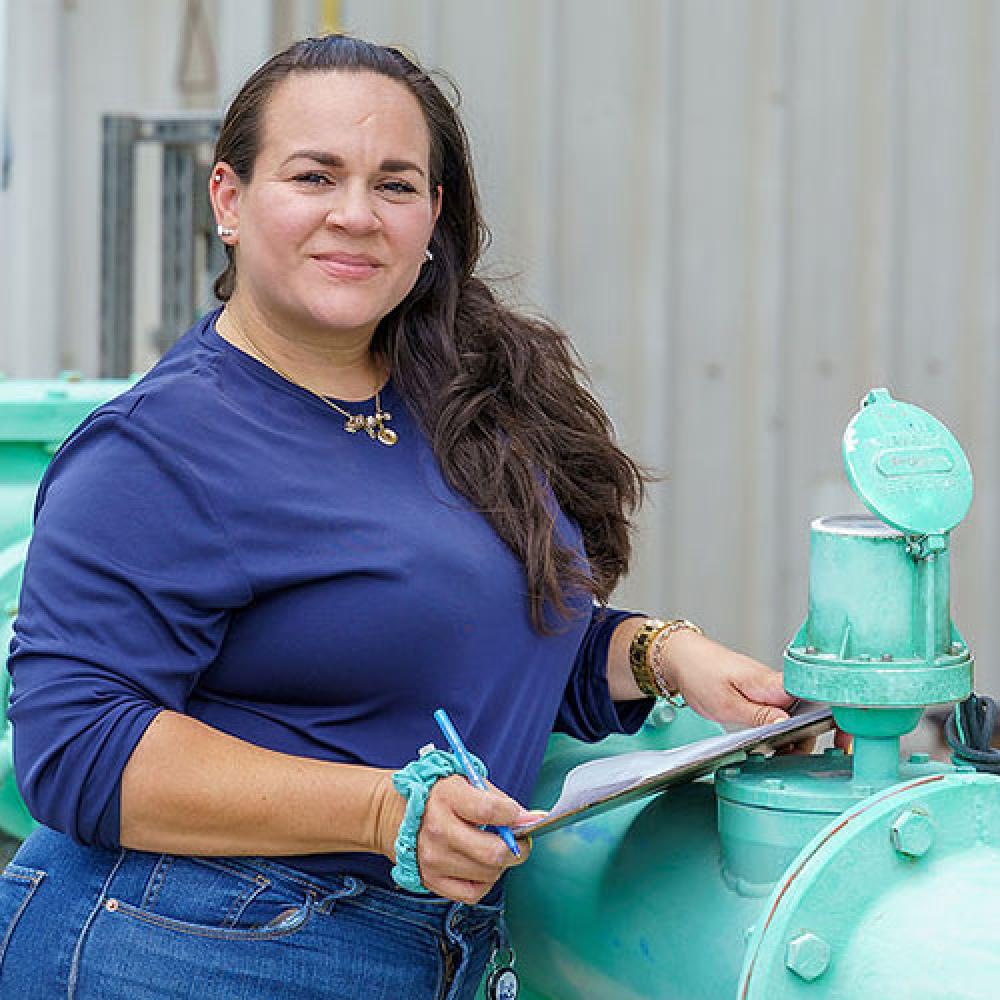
point(670, 692)
point(645, 657)
point(414, 782)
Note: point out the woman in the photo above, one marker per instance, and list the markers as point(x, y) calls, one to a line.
point(362, 490)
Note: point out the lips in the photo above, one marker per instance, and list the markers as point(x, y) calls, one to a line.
point(348, 265)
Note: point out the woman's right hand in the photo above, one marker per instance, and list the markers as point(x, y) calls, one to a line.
point(456, 858)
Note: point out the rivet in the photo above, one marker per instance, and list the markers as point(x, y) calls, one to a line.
point(886, 657)
point(808, 956)
point(811, 650)
point(912, 834)
point(111, 905)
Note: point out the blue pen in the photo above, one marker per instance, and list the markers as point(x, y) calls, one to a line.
point(458, 748)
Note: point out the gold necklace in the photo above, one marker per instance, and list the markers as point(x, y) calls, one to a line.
point(374, 425)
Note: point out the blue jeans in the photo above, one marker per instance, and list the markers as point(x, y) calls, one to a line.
point(85, 923)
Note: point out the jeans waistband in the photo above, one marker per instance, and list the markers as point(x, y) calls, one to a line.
point(134, 869)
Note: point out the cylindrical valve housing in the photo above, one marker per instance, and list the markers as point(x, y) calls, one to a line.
point(867, 594)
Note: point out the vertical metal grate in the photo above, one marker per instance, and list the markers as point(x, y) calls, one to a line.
point(189, 252)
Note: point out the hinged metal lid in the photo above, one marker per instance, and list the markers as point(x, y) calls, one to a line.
point(907, 466)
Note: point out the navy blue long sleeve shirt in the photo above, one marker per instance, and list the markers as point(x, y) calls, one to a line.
point(214, 543)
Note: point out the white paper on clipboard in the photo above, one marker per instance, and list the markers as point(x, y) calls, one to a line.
point(599, 785)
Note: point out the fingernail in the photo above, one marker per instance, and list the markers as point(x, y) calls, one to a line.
point(530, 815)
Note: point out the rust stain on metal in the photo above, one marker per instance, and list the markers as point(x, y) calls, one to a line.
point(791, 877)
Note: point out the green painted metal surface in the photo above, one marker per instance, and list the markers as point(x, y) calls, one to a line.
point(822, 875)
point(35, 418)
point(907, 466)
point(589, 903)
point(901, 891)
point(879, 632)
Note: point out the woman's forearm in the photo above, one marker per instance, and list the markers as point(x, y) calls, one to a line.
point(190, 789)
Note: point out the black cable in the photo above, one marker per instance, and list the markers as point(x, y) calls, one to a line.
point(969, 732)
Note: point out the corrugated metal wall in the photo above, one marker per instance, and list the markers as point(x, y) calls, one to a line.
point(747, 214)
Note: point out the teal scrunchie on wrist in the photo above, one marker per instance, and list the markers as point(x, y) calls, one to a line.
point(414, 782)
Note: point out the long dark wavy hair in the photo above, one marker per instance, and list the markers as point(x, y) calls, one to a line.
point(500, 395)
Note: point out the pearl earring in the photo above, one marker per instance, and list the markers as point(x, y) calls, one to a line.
point(428, 256)
point(225, 231)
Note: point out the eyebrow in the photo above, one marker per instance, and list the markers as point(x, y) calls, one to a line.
point(333, 160)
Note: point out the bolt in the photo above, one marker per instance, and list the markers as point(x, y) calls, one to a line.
point(808, 956)
point(912, 834)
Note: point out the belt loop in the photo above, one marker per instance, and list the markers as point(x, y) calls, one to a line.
point(351, 888)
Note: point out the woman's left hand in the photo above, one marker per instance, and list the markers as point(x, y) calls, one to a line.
point(726, 686)
point(723, 685)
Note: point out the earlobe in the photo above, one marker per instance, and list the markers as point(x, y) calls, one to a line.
point(225, 196)
point(438, 195)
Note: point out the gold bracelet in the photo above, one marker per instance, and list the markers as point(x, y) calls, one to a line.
point(669, 691)
point(638, 657)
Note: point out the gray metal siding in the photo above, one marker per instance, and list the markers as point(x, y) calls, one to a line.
point(747, 214)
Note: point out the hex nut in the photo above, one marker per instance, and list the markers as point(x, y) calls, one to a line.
point(808, 956)
point(912, 834)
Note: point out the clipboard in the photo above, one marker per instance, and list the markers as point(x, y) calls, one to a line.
point(597, 786)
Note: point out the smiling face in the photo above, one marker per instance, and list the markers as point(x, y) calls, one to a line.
point(333, 225)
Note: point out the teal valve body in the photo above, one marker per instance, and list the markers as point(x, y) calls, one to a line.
point(878, 642)
point(879, 631)
point(827, 875)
